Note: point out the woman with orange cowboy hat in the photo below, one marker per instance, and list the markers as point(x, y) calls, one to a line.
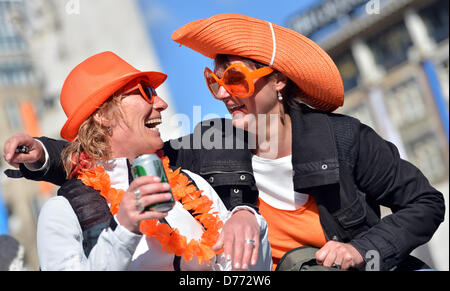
point(321, 177)
point(99, 220)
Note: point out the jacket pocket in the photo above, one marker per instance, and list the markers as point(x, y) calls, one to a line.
point(354, 214)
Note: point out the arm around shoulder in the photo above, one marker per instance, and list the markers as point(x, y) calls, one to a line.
point(54, 171)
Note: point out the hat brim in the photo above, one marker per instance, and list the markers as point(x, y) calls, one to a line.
point(96, 99)
point(297, 57)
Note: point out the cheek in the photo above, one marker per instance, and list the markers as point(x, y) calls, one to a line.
point(266, 101)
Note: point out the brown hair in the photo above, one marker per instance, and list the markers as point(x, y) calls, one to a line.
point(292, 94)
point(93, 138)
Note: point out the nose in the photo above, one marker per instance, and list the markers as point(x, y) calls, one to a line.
point(159, 104)
point(222, 94)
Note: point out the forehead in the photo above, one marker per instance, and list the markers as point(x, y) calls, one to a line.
point(222, 63)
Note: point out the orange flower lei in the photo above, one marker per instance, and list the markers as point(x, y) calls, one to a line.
point(171, 240)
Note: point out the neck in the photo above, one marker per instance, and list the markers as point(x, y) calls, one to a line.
point(119, 151)
point(274, 138)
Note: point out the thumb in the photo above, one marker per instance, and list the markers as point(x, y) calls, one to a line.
point(31, 157)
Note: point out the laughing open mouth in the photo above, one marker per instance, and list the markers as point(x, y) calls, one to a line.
point(153, 123)
point(235, 107)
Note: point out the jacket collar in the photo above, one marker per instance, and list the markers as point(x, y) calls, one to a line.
point(314, 153)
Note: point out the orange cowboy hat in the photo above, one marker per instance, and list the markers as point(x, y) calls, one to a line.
point(287, 51)
point(92, 82)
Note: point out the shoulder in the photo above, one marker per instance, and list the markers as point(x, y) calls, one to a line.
point(78, 194)
point(57, 213)
point(344, 129)
point(74, 187)
point(87, 203)
point(344, 126)
point(56, 203)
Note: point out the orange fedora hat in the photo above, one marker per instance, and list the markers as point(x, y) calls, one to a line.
point(297, 57)
point(92, 82)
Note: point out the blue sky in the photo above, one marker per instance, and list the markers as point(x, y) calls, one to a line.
point(184, 66)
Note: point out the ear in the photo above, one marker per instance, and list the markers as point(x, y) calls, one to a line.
point(280, 82)
point(102, 120)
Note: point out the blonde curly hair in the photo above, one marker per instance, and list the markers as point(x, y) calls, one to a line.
point(93, 138)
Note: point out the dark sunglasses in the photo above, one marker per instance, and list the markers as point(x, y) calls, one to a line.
point(143, 88)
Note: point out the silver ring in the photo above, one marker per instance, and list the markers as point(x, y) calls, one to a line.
point(337, 265)
point(250, 241)
point(137, 193)
point(139, 206)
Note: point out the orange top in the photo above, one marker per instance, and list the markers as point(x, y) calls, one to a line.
point(290, 229)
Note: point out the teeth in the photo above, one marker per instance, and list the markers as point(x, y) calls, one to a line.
point(236, 106)
point(153, 122)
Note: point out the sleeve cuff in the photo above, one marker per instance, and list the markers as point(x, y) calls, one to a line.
point(128, 239)
point(34, 167)
point(258, 216)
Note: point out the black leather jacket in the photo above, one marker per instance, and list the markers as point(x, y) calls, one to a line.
point(349, 170)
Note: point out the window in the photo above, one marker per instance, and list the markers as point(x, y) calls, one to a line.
point(436, 18)
point(12, 111)
point(425, 153)
point(405, 103)
point(16, 73)
point(348, 70)
point(390, 46)
point(10, 40)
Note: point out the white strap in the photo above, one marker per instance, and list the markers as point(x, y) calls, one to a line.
point(274, 44)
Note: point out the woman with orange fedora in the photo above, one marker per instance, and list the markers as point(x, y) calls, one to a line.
point(99, 219)
point(321, 177)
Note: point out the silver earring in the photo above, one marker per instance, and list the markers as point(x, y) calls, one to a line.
point(280, 97)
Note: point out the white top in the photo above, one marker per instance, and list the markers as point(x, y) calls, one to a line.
point(59, 236)
point(274, 182)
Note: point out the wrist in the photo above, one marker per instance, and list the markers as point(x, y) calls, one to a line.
point(43, 161)
point(259, 219)
point(242, 210)
point(35, 166)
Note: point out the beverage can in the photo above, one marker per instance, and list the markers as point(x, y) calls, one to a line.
point(151, 165)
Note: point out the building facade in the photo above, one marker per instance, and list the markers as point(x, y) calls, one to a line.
point(394, 60)
point(41, 41)
point(18, 85)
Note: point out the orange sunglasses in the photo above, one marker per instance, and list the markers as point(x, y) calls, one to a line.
point(140, 86)
point(237, 79)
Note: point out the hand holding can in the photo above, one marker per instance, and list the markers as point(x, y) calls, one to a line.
point(151, 165)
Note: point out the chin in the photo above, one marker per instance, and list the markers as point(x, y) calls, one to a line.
point(158, 145)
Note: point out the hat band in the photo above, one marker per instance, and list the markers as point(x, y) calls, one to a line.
point(274, 52)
